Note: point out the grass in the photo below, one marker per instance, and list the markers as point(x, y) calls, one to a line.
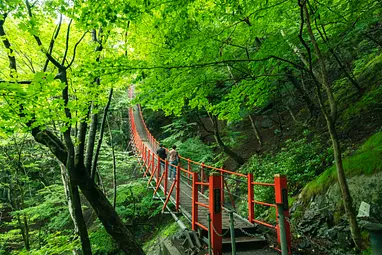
point(366, 160)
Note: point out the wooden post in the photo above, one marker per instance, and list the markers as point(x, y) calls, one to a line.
point(177, 188)
point(281, 198)
point(215, 205)
point(251, 204)
point(194, 201)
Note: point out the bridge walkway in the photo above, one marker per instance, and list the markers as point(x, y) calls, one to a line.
point(190, 192)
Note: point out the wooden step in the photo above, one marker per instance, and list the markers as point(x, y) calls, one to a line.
point(245, 243)
point(245, 239)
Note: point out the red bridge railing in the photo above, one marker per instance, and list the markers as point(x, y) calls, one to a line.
point(202, 178)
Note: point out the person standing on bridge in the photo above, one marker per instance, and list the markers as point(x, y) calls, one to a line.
point(161, 152)
point(174, 159)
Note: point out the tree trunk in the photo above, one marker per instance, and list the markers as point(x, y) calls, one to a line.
point(311, 105)
point(256, 130)
point(348, 203)
point(25, 234)
point(70, 166)
point(330, 120)
point(101, 132)
point(91, 139)
point(106, 213)
point(239, 159)
point(114, 165)
point(68, 192)
point(82, 229)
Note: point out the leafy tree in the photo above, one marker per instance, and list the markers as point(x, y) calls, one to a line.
point(44, 95)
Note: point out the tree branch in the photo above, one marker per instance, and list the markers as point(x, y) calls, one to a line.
point(66, 42)
point(39, 42)
point(7, 45)
point(50, 140)
point(222, 63)
point(51, 44)
point(75, 48)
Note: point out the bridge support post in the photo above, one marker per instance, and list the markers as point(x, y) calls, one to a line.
point(188, 169)
point(194, 201)
point(165, 176)
point(159, 169)
point(251, 204)
point(215, 212)
point(202, 177)
point(144, 155)
point(282, 213)
point(177, 188)
point(152, 163)
point(222, 189)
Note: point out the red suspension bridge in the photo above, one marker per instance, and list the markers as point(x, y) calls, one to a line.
point(205, 195)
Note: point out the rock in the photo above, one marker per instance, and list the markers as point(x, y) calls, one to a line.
point(324, 216)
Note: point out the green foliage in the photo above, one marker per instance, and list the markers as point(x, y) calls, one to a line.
point(193, 148)
point(366, 160)
point(182, 134)
point(300, 160)
point(178, 131)
point(101, 242)
point(135, 200)
point(56, 243)
point(52, 209)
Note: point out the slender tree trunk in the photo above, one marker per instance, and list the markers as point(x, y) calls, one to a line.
point(291, 113)
point(239, 159)
point(114, 164)
point(26, 227)
point(311, 105)
point(23, 225)
point(99, 181)
point(68, 192)
point(82, 229)
point(91, 139)
point(330, 120)
point(348, 203)
point(94, 122)
point(256, 130)
point(24, 233)
point(101, 132)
